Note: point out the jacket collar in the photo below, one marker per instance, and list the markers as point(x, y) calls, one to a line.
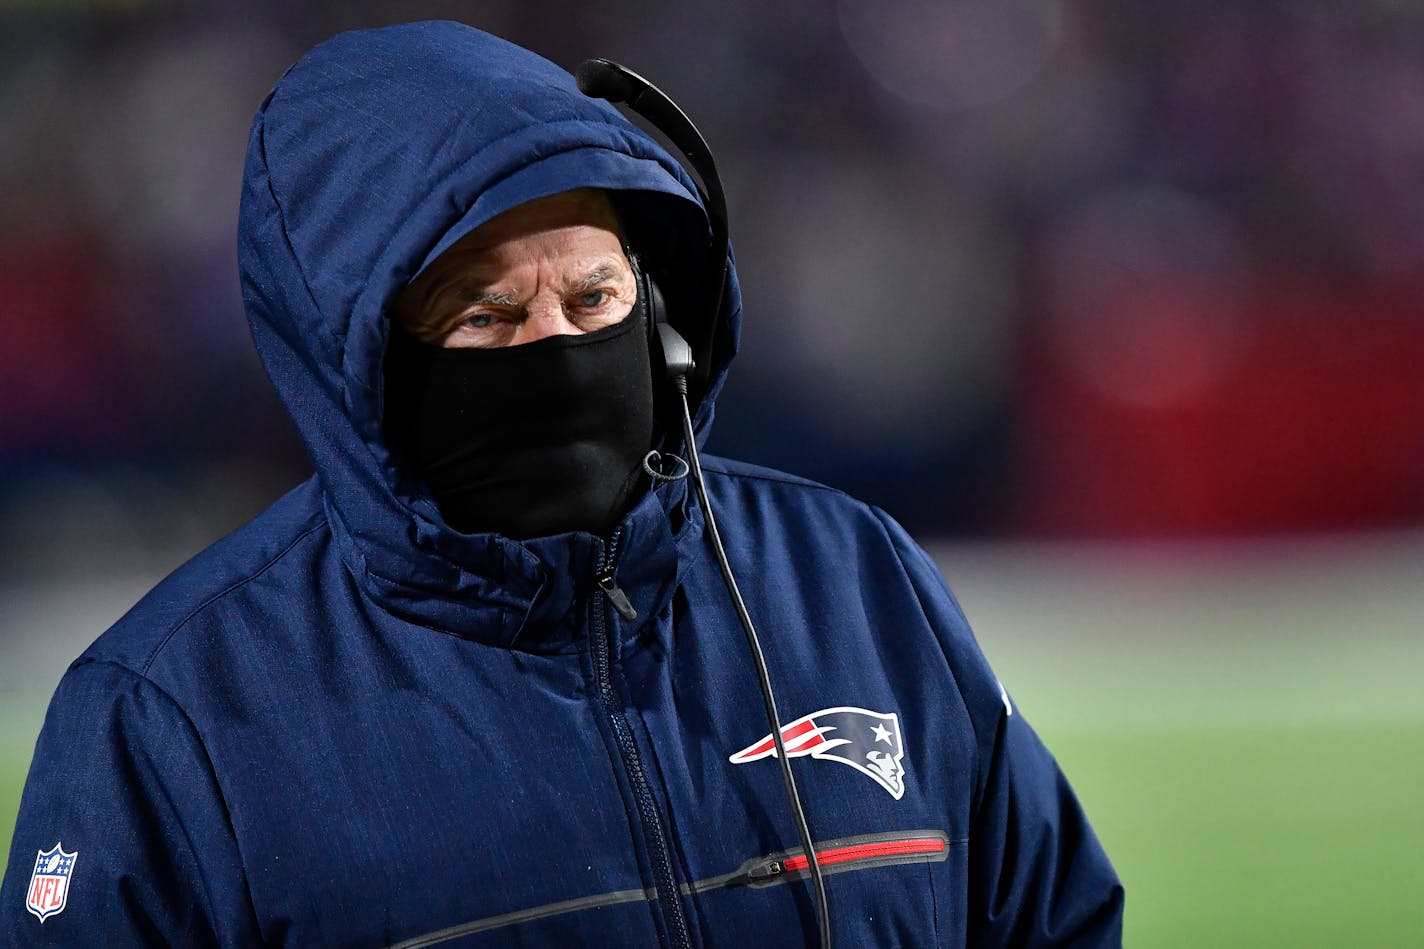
point(531, 595)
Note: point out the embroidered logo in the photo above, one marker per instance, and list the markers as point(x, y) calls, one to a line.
point(867, 741)
point(49, 884)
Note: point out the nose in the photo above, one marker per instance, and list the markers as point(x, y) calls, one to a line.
point(545, 317)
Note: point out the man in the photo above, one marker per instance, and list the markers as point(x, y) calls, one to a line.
point(569, 420)
point(479, 679)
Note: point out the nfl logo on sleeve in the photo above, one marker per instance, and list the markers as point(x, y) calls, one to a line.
point(49, 884)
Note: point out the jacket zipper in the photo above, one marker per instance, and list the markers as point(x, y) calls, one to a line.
point(836, 856)
point(602, 647)
point(890, 848)
point(615, 595)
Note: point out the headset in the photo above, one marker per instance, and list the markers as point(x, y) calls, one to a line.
point(673, 356)
point(604, 79)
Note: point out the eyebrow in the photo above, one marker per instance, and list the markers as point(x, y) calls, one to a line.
point(599, 274)
point(504, 298)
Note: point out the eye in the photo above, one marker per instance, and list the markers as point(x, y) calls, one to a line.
point(479, 320)
point(593, 298)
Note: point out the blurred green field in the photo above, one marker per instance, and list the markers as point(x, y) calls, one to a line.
point(1246, 734)
point(1244, 726)
point(1264, 837)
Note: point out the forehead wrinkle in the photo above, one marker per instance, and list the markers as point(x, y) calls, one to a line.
point(603, 270)
point(462, 283)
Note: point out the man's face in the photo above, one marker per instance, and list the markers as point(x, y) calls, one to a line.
point(551, 267)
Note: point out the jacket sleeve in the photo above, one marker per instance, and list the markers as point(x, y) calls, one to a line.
point(1037, 874)
point(121, 781)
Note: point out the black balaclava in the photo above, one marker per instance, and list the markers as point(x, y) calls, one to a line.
point(527, 440)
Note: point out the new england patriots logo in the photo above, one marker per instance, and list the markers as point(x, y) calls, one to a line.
point(867, 741)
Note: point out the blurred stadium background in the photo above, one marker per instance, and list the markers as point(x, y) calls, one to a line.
point(1116, 305)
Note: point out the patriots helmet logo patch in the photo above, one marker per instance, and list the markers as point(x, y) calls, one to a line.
point(868, 741)
point(49, 883)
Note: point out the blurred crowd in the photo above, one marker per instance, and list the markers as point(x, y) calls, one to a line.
point(1011, 267)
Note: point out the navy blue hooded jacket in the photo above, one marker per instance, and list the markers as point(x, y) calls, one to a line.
point(348, 725)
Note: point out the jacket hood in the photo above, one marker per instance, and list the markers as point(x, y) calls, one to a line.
point(372, 155)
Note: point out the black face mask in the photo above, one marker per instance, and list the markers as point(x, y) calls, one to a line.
point(527, 440)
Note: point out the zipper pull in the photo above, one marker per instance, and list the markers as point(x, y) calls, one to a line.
point(758, 874)
point(764, 871)
point(617, 597)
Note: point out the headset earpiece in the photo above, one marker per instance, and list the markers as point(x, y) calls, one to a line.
point(604, 79)
point(666, 344)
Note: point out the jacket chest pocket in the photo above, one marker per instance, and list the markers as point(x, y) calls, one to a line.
point(888, 889)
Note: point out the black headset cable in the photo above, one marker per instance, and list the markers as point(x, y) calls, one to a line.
point(818, 882)
point(605, 79)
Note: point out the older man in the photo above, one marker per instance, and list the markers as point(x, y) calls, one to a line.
point(549, 438)
point(479, 679)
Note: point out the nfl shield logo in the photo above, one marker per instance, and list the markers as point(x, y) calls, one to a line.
point(49, 884)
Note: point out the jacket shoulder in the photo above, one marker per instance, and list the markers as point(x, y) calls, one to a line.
point(795, 499)
point(751, 474)
point(152, 624)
